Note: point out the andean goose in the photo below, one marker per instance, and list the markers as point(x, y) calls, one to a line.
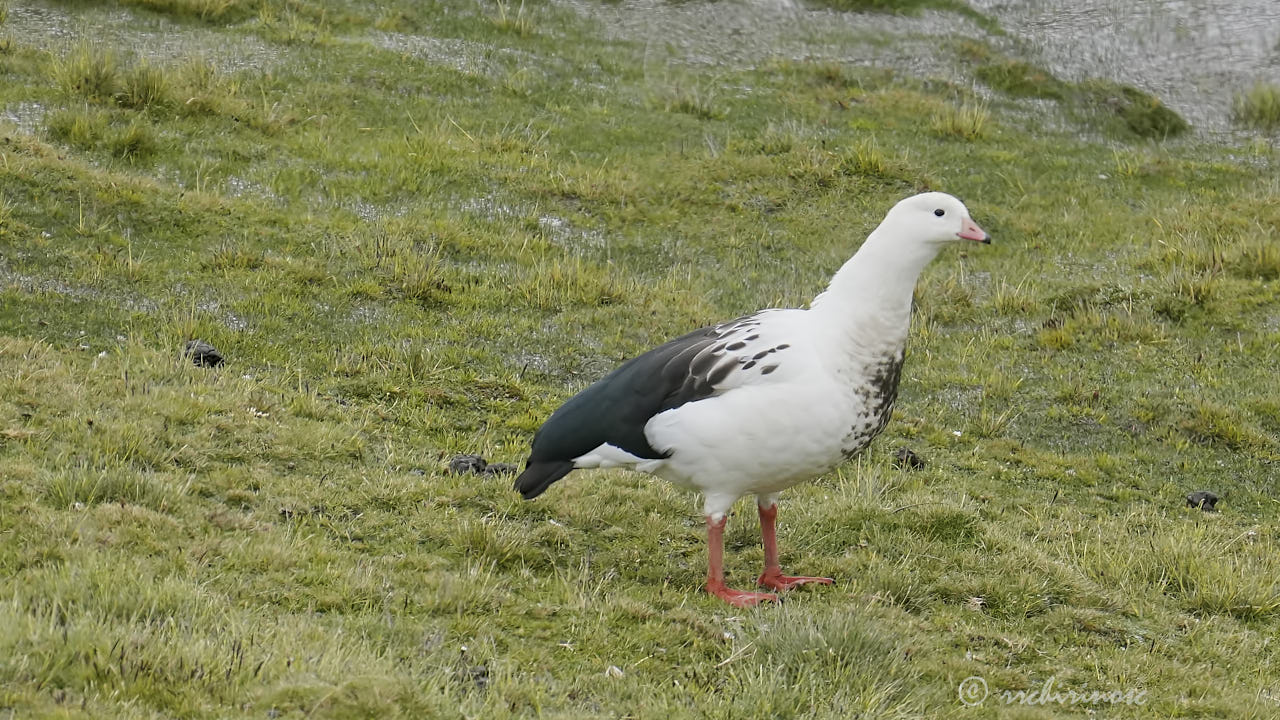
point(761, 403)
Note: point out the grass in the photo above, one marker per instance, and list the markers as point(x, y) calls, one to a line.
point(1258, 107)
point(1114, 107)
point(967, 121)
point(405, 256)
point(516, 23)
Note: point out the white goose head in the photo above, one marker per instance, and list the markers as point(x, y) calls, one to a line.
point(932, 218)
point(883, 272)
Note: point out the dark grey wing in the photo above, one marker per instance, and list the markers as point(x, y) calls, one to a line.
point(617, 407)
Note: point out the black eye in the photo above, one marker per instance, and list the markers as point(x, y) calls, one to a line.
point(939, 212)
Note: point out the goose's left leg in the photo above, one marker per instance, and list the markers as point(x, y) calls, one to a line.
point(772, 576)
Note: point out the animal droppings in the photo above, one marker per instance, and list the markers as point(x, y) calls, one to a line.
point(907, 459)
point(1203, 499)
point(202, 353)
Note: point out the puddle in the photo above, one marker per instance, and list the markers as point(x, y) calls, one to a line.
point(28, 117)
point(31, 284)
point(558, 230)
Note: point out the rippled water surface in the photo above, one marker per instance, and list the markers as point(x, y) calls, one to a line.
point(1194, 54)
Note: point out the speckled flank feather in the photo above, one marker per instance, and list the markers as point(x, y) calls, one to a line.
point(878, 396)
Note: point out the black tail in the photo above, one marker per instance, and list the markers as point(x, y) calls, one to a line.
point(538, 476)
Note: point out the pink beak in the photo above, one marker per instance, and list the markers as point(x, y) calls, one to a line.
point(969, 230)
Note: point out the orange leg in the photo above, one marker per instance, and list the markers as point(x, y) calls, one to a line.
point(715, 570)
point(772, 576)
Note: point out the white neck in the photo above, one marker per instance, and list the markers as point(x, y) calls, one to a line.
point(869, 298)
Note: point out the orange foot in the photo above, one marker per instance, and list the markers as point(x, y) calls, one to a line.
point(777, 581)
point(739, 598)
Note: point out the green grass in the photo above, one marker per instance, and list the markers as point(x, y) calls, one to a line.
point(912, 7)
point(1259, 106)
point(1120, 109)
point(967, 121)
point(409, 251)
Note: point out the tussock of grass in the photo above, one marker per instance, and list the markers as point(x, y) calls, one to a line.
point(90, 71)
point(515, 22)
point(557, 285)
point(868, 160)
point(125, 100)
point(1184, 291)
point(699, 100)
point(143, 86)
point(135, 141)
point(1258, 107)
point(82, 129)
point(964, 122)
point(1137, 112)
point(1210, 422)
point(1208, 571)
point(208, 10)
point(90, 129)
point(1020, 79)
point(1143, 113)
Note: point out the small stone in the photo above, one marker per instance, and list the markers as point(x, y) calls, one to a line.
point(907, 459)
point(1202, 499)
point(501, 469)
point(467, 464)
point(202, 353)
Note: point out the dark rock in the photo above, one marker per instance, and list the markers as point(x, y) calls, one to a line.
point(501, 469)
point(1202, 499)
point(202, 353)
point(907, 459)
point(467, 464)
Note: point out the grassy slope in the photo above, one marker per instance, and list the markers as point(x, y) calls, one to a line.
point(423, 227)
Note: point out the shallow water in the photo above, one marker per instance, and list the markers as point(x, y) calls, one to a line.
point(1193, 54)
point(747, 33)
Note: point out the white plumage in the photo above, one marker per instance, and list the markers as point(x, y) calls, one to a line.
point(759, 404)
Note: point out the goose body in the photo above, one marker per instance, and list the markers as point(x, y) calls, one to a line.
point(756, 405)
